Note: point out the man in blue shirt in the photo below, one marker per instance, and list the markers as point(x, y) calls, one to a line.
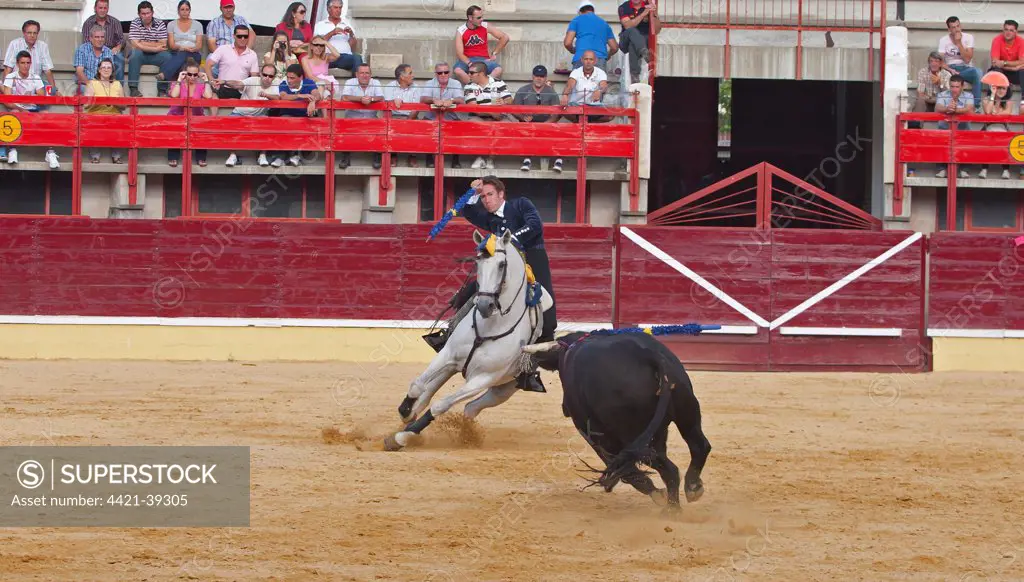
point(589, 32)
point(295, 88)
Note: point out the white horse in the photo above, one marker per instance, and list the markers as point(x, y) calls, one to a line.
point(486, 346)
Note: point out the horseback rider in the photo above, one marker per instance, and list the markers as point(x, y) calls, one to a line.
point(490, 210)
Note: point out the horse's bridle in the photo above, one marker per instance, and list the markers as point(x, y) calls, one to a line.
point(496, 295)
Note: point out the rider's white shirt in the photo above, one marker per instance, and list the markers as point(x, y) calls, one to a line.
point(501, 210)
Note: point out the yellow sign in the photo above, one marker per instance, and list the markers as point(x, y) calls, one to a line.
point(10, 128)
point(1017, 148)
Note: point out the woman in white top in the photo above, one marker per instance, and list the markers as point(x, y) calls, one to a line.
point(185, 38)
point(280, 55)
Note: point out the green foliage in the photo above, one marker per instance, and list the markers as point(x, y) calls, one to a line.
point(725, 106)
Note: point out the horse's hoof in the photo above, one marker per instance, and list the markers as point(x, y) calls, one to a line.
point(391, 444)
point(659, 497)
point(405, 409)
point(694, 493)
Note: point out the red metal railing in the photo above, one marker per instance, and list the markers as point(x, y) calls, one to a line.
point(953, 147)
point(867, 16)
point(330, 132)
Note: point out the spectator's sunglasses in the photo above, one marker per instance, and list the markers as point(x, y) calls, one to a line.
point(241, 36)
point(303, 11)
point(443, 72)
point(319, 44)
point(191, 74)
point(270, 76)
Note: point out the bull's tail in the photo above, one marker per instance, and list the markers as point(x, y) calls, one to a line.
point(640, 450)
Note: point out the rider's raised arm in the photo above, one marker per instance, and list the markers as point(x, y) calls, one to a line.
point(534, 227)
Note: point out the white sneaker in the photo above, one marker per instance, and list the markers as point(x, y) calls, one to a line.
point(526, 165)
point(277, 163)
point(1006, 174)
point(231, 161)
point(964, 174)
point(262, 160)
point(12, 156)
point(51, 158)
point(982, 174)
point(558, 166)
point(479, 163)
point(490, 163)
point(941, 173)
point(295, 160)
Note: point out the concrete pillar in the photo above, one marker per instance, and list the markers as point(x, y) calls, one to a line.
point(626, 216)
point(644, 106)
point(894, 95)
point(119, 197)
point(373, 212)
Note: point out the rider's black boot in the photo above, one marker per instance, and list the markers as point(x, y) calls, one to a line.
point(530, 382)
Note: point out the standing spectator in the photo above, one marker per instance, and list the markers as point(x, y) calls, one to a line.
point(954, 102)
point(220, 30)
point(365, 90)
point(256, 89)
point(341, 36)
point(538, 93)
point(316, 64)
point(104, 85)
point(931, 81)
point(115, 34)
point(296, 88)
point(485, 90)
point(185, 36)
point(443, 93)
point(196, 85)
point(148, 39)
point(471, 45)
point(37, 49)
point(958, 49)
point(280, 55)
point(403, 90)
point(1008, 53)
point(638, 17)
point(999, 103)
point(88, 56)
point(586, 87)
point(294, 24)
point(236, 62)
point(588, 31)
point(24, 82)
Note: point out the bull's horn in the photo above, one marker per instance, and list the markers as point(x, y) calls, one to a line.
point(542, 347)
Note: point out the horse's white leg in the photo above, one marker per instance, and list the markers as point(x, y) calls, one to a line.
point(473, 387)
point(493, 397)
point(423, 388)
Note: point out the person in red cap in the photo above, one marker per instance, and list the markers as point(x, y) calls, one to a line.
point(221, 30)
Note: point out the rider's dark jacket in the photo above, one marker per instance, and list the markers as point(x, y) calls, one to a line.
point(518, 215)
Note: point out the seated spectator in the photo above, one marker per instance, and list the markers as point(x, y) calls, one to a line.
point(115, 34)
point(957, 48)
point(88, 56)
point(221, 30)
point(294, 24)
point(257, 89)
point(586, 87)
point(296, 88)
point(195, 85)
point(403, 90)
point(104, 85)
point(23, 82)
point(538, 93)
point(236, 63)
point(316, 64)
point(471, 45)
point(637, 18)
point(485, 90)
point(931, 81)
point(954, 102)
point(1008, 53)
point(42, 64)
point(185, 37)
point(588, 31)
point(148, 39)
point(280, 56)
point(999, 102)
point(365, 90)
point(339, 33)
point(443, 93)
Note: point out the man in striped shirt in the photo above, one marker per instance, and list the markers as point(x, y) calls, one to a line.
point(221, 30)
point(30, 43)
point(486, 90)
point(89, 55)
point(115, 36)
point(148, 39)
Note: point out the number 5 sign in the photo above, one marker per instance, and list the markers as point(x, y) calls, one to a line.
point(10, 128)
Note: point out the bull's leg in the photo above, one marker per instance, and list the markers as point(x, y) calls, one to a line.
point(493, 397)
point(473, 387)
point(687, 419)
point(670, 475)
point(606, 446)
point(423, 388)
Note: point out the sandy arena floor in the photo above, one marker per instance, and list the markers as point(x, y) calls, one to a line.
point(812, 477)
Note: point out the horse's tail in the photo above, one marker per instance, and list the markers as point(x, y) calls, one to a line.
point(640, 450)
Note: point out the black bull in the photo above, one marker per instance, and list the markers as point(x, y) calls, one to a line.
point(622, 391)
